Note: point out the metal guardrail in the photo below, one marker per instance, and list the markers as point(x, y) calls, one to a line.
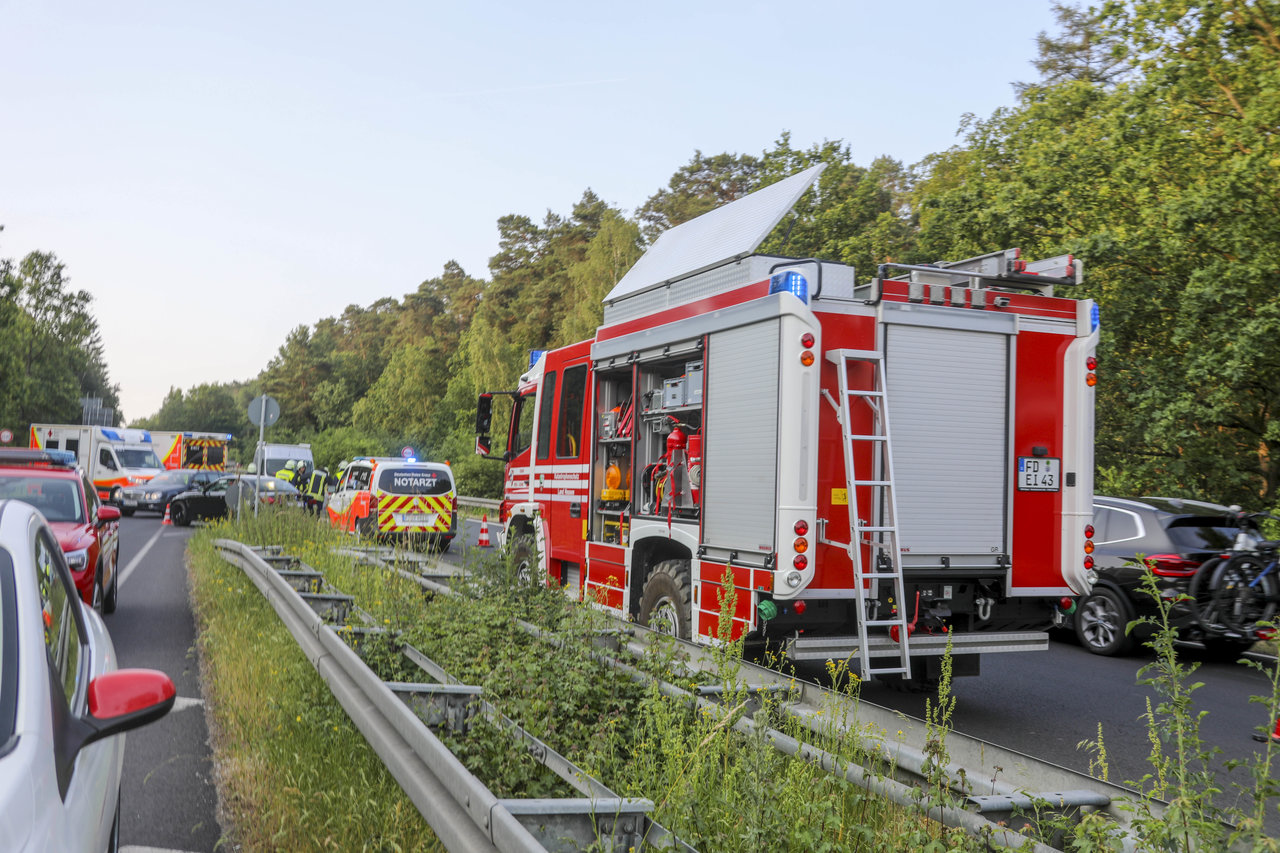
point(394, 717)
point(480, 503)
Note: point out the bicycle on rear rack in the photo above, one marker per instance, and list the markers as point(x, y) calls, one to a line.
point(1237, 591)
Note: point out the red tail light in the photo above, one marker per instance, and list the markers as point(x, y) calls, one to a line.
point(1171, 565)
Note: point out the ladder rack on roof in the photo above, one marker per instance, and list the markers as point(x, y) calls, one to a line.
point(1004, 269)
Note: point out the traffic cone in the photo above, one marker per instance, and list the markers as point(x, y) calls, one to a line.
point(167, 520)
point(484, 532)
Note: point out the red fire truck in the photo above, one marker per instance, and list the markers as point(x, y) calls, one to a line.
point(887, 469)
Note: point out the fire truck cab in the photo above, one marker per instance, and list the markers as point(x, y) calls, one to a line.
point(885, 470)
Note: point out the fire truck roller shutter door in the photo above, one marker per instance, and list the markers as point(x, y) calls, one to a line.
point(949, 393)
point(740, 442)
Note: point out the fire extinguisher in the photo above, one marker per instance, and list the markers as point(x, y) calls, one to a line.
point(693, 451)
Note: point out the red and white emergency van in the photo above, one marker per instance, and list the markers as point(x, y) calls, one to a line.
point(886, 469)
point(114, 457)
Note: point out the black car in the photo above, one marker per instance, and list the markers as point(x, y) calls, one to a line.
point(1173, 536)
point(155, 494)
point(216, 499)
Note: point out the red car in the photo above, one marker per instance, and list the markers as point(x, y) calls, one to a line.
point(88, 531)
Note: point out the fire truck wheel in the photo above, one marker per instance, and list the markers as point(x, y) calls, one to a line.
point(521, 548)
point(1101, 620)
point(664, 605)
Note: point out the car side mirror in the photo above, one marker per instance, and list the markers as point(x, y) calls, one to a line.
point(108, 513)
point(126, 699)
point(118, 701)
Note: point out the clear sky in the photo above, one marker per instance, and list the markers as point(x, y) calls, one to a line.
point(217, 174)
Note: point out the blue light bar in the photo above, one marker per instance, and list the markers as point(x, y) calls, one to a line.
point(1094, 317)
point(790, 281)
point(534, 355)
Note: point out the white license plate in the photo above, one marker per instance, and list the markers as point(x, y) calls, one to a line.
point(416, 519)
point(1039, 474)
point(130, 502)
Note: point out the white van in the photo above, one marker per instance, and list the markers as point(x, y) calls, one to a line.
point(270, 458)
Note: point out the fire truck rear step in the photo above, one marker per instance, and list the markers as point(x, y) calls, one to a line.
point(985, 642)
point(885, 563)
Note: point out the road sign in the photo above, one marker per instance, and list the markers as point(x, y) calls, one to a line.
point(256, 410)
point(6, 436)
point(406, 452)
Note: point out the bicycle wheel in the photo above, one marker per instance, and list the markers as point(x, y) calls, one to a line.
point(1228, 601)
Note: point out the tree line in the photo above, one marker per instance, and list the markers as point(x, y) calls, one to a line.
point(1147, 147)
point(50, 347)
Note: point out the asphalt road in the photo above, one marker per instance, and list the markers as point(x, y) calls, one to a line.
point(169, 801)
point(1046, 703)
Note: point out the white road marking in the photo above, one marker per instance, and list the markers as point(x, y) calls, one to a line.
point(133, 564)
point(135, 848)
point(182, 703)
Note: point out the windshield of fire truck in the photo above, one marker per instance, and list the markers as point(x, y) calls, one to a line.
point(522, 418)
point(136, 458)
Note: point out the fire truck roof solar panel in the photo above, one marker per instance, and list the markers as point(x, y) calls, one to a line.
point(722, 235)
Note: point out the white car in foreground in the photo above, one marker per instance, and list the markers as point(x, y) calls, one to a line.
point(63, 704)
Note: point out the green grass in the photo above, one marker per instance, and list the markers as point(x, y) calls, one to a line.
point(293, 772)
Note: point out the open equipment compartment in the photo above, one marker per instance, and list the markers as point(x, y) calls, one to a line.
point(611, 470)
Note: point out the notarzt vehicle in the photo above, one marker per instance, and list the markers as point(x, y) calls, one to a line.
point(883, 469)
point(388, 498)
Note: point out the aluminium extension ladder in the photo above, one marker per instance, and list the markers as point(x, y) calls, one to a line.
point(879, 529)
